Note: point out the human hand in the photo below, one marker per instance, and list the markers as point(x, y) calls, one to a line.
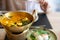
point(43, 5)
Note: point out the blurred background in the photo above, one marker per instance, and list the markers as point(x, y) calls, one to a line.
point(11, 5)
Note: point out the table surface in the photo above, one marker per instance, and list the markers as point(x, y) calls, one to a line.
point(54, 19)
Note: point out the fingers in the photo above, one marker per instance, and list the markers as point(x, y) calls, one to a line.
point(41, 1)
point(43, 5)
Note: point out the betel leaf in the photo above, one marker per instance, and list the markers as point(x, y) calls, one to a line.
point(32, 37)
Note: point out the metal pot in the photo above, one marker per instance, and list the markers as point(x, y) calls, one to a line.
point(16, 29)
point(21, 31)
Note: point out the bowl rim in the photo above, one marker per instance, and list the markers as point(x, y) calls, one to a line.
point(20, 11)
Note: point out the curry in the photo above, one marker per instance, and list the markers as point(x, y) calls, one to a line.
point(16, 19)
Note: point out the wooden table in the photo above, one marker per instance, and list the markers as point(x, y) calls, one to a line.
point(53, 17)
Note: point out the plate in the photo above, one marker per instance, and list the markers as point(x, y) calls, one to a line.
point(51, 33)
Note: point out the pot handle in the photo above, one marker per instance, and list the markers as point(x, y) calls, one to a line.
point(2, 13)
point(35, 15)
point(1, 17)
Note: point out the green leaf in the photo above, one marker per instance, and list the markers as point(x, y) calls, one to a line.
point(42, 32)
point(32, 37)
point(24, 23)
